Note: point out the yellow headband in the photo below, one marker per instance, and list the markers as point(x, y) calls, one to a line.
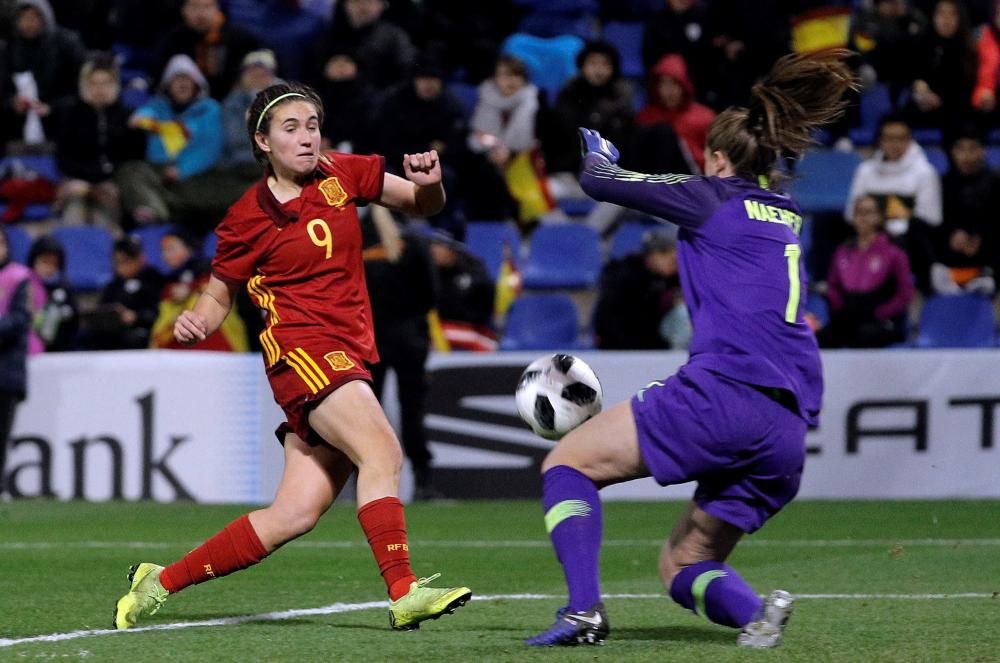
point(260, 118)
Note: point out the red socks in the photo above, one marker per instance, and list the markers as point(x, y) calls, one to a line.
point(237, 547)
point(234, 548)
point(385, 526)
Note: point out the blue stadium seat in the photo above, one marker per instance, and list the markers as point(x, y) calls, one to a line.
point(18, 243)
point(563, 256)
point(541, 322)
point(938, 159)
point(45, 166)
point(150, 237)
point(818, 306)
point(209, 245)
point(956, 321)
point(576, 206)
point(628, 239)
point(875, 103)
point(550, 61)
point(823, 180)
point(993, 156)
point(88, 255)
point(928, 136)
point(627, 38)
point(466, 93)
point(486, 241)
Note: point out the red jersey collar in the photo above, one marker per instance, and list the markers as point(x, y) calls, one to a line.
point(282, 215)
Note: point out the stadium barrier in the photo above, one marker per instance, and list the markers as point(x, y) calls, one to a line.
point(175, 425)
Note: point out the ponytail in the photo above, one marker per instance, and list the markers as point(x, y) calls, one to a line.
point(800, 93)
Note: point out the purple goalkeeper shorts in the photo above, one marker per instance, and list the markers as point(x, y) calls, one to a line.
point(744, 448)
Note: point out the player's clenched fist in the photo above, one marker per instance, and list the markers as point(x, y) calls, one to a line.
point(190, 328)
point(423, 168)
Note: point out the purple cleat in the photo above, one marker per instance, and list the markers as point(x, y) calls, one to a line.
point(574, 628)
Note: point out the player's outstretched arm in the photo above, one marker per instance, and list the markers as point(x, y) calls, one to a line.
point(681, 199)
point(211, 309)
point(421, 193)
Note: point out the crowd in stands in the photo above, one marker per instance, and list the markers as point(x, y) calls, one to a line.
point(127, 118)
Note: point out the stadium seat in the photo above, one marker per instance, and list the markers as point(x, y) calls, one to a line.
point(466, 93)
point(18, 243)
point(993, 156)
point(817, 305)
point(563, 256)
point(627, 38)
point(875, 103)
point(209, 245)
point(88, 255)
point(486, 241)
point(576, 206)
point(553, 18)
point(550, 61)
point(628, 239)
point(956, 321)
point(151, 236)
point(823, 180)
point(541, 322)
point(938, 159)
point(928, 136)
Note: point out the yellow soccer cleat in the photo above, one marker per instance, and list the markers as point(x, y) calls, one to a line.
point(144, 597)
point(422, 603)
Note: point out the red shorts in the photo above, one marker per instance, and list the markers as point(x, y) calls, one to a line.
point(300, 382)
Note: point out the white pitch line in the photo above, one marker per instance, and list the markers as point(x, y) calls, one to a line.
point(527, 543)
point(370, 605)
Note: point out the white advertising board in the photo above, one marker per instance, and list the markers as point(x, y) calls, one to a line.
point(170, 425)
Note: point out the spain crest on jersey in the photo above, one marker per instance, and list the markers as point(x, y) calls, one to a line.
point(339, 360)
point(333, 192)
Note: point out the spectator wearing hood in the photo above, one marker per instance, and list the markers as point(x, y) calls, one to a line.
point(596, 97)
point(384, 52)
point(51, 54)
point(60, 319)
point(216, 46)
point(20, 295)
point(184, 139)
point(671, 101)
point(92, 140)
point(348, 98)
point(435, 120)
point(984, 95)
point(944, 71)
point(680, 26)
point(907, 189)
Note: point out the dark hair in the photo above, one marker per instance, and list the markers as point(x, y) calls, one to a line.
point(800, 93)
point(514, 64)
point(47, 245)
point(130, 246)
point(600, 47)
point(260, 120)
point(892, 118)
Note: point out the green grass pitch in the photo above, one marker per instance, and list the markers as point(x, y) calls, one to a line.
point(877, 581)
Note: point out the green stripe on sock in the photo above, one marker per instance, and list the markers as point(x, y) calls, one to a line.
point(563, 510)
point(700, 586)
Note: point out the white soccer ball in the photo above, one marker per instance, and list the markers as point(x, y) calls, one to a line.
point(557, 393)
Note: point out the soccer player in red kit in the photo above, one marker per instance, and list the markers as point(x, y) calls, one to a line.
point(294, 241)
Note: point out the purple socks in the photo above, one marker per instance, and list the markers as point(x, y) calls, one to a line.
point(573, 520)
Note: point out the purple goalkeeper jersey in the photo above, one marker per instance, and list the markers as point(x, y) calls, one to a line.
point(741, 273)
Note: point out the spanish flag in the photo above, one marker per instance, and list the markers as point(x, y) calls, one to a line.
point(509, 284)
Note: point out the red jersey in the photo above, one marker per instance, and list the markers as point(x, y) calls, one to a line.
point(301, 263)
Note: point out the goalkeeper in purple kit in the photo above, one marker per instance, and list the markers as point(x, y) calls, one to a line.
point(734, 418)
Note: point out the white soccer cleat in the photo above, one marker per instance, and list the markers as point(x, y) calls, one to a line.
point(768, 626)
